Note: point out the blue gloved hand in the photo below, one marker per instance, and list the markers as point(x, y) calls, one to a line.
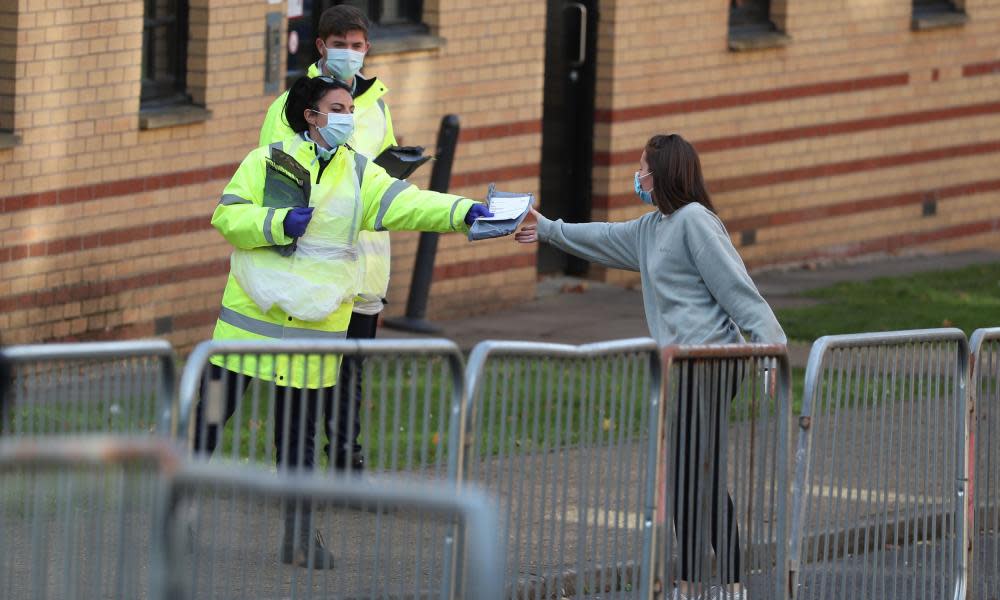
point(477, 210)
point(296, 220)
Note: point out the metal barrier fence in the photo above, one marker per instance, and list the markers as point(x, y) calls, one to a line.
point(880, 474)
point(984, 481)
point(80, 517)
point(401, 415)
point(424, 541)
point(722, 520)
point(102, 387)
point(565, 438)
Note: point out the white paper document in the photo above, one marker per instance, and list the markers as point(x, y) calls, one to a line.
point(506, 208)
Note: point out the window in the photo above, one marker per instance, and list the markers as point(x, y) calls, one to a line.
point(8, 46)
point(921, 7)
point(164, 52)
point(935, 14)
point(749, 16)
point(391, 17)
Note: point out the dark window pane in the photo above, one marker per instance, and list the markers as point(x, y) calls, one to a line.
point(164, 51)
point(749, 12)
point(389, 18)
point(389, 13)
point(399, 12)
point(931, 6)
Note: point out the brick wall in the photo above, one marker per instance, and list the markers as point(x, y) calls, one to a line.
point(832, 145)
point(106, 225)
point(106, 231)
point(489, 72)
point(829, 146)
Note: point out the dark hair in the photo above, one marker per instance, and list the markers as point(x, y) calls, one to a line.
point(306, 93)
point(677, 178)
point(338, 20)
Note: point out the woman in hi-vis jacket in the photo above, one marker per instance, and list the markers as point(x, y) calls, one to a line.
point(292, 212)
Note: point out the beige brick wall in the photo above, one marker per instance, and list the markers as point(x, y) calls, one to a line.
point(884, 137)
point(489, 73)
point(110, 265)
point(106, 224)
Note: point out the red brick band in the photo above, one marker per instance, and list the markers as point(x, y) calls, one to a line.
point(980, 69)
point(776, 136)
point(159, 182)
point(501, 174)
point(894, 242)
point(816, 213)
point(747, 98)
point(502, 130)
point(744, 182)
point(105, 239)
point(481, 267)
point(122, 187)
point(80, 292)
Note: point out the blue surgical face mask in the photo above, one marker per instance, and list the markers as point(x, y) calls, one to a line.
point(644, 195)
point(343, 63)
point(338, 128)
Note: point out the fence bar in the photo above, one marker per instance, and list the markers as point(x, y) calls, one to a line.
point(81, 517)
point(983, 514)
point(565, 438)
point(403, 410)
point(725, 460)
point(879, 493)
point(225, 543)
point(96, 387)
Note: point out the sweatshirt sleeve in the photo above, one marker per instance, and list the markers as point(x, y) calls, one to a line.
point(614, 245)
point(727, 279)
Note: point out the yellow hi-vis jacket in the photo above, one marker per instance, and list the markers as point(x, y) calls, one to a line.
point(373, 133)
point(351, 194)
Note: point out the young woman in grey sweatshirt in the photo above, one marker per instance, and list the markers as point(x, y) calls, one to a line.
point(695, 290)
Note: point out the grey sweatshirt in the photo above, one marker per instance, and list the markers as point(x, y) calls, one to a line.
point(695, 288)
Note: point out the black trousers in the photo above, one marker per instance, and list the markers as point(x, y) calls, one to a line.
point(694, 420)
point(296, 407)
point(343, 425)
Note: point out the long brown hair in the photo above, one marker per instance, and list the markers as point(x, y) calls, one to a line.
point(677, 178)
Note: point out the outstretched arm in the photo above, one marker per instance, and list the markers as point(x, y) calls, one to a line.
point(614, 245)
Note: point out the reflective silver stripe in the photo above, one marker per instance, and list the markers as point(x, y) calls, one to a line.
point(277, 146)
point(230, 199)
point(359, 166)
point(267, 226)
point(390, 194)
point(381, 105)
point(271, 330)
point(451, 216)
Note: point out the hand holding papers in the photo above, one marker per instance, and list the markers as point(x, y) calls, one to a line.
point(508, 208)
